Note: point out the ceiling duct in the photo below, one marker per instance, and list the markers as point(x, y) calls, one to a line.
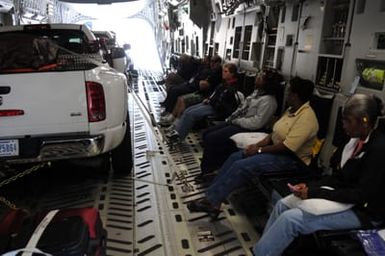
point(200, 12)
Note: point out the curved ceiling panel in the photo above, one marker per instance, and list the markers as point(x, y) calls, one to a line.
point(108, 11)
point(97, 1)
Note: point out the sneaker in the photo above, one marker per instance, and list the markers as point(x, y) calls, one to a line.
point(166, 120)
point(173, 136)
point(164, 113)
point(169, 129)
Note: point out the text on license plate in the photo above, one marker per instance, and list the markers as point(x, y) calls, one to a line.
point(9, 148)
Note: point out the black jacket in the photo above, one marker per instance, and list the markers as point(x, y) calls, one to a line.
point(361, 182)
point(224, 100)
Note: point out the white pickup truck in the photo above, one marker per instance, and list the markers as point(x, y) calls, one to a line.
point(58, 100)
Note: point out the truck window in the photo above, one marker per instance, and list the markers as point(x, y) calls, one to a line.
point(46, 50)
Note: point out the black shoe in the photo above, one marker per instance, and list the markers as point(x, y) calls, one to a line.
point(205, 177)
point(160, 82)
point(173, 136)
point(204, 206)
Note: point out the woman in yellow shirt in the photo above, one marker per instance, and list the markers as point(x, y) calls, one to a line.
point(284, 149)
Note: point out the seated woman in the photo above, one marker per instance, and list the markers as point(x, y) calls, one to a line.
point(221, 104)
point(360, 182)
point(288, 147)
point(255, 113)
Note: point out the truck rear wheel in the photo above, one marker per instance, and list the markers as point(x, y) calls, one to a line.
point(121, 156)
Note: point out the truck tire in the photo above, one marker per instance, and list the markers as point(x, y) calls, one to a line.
point(121, 157)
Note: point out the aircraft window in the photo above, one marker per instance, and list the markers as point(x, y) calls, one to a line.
point(228, 54)
point(237, 39)
point(192, 44)
point(280, 55)
point(197, 45)
point(231, 40)
point(246, 42)
point(212, 29)
point(228, 24)
point(380, 40)
point(361, 6)
point(294, 15)
point(289, 40)
point(210, 51)
point(256, 53)
point(187, 43)
point(233, 22)
point(216, 48)
point(178, 45)
point(283, 14)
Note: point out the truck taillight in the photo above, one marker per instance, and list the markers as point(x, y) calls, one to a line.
point(11, 112)
point(96, 104)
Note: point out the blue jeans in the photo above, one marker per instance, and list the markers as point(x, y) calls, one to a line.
point(285, 224)
point(217, 145)
point(190, 116)
point(238, 170)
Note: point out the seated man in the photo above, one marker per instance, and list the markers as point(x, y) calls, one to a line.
point(360, 182)
point(187, 67)
point(205, 89)
point(211, 74)
point(253, 114)
point(221, 104)
point(288, 147)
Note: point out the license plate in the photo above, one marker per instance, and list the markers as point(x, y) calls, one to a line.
point(9, 148)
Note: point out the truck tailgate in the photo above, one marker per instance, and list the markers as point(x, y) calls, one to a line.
point(53, 103)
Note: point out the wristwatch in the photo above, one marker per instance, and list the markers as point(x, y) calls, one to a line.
point(259, 150)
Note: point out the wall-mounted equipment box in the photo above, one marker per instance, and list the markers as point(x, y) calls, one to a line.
point(372, 73)
point(329, 73)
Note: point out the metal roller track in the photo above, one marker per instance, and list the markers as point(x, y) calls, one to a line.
point(164, 226)
point(144, 213)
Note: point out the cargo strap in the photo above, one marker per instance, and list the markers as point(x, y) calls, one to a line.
point(25, 250)
point(39, 231)
point(30, 248)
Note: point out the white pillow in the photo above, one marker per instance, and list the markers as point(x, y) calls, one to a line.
point(244, 139)
point(315, 206)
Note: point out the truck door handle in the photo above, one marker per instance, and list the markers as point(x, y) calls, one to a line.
point(5, 89)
